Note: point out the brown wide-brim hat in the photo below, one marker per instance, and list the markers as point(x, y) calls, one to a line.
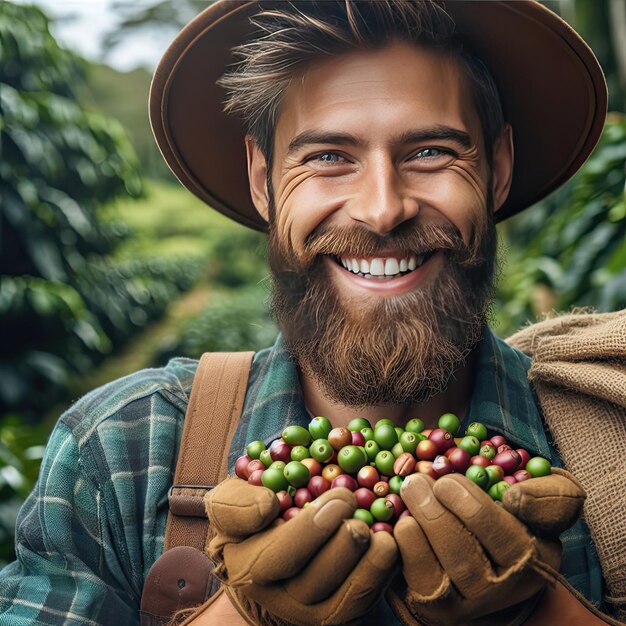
point(552, 89)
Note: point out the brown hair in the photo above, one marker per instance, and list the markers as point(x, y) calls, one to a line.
point(289, 38)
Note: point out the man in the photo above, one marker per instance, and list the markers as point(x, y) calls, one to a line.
point(380, 154)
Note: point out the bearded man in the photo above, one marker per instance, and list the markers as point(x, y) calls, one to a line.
point(380, 155)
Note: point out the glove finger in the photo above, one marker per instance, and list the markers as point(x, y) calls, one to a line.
point(420, 567)
point(448, 536)
point(358, 593)
point(365, 585)
point(282, 551)
point(504, 537)
point(332, 564)
point(549, 505)
point(237, 509)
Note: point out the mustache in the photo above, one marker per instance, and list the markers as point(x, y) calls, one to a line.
point(358, 241)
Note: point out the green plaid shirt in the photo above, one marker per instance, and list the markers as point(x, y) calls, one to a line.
point(94, 524)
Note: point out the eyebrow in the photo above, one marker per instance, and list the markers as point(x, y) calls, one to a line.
point(440, 133)
point(310, 137)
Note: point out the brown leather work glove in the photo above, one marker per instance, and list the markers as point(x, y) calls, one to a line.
point(468, 560)
point(319, 569)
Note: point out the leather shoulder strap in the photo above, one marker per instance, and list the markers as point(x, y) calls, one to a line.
point(217, 397)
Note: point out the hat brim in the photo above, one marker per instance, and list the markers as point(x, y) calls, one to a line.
point(552, 89)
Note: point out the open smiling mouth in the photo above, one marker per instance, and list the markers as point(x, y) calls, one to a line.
point(384, 268)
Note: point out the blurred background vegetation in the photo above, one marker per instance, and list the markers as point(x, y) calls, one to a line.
point(107, 265)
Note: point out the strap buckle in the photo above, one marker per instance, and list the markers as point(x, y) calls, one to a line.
point(187, 505)
point(170, 493)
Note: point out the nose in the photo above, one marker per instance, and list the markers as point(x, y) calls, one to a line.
point(383, 202)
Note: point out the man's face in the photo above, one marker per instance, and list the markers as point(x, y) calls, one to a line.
point(382, 239)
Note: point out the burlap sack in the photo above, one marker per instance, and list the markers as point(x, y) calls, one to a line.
point(579, 374)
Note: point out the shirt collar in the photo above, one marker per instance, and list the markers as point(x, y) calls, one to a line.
point(503, 399)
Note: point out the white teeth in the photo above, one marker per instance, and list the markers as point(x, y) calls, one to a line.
point(377, 267)
point(391, 267)
point(382, 267)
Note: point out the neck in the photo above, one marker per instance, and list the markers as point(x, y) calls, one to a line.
point(455, 398)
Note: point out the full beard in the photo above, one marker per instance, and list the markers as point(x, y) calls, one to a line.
point(396, 350)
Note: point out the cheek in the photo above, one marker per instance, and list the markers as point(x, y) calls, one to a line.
point(304, 199)
point(458, 193)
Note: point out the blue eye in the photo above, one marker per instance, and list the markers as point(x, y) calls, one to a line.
point(430, 153)
point(329, 157)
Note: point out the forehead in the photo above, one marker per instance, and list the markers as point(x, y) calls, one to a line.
point(378, 92)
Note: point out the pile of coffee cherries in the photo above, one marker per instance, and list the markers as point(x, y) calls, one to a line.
point(373, 462)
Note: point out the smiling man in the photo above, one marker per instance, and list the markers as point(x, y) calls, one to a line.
point(378, 143)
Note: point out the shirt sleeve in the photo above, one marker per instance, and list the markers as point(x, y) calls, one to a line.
point(67, 569)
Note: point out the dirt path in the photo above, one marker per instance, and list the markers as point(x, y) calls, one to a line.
point(140, 351)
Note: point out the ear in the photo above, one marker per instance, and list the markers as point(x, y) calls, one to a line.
point(257, 177)
point(502, 168)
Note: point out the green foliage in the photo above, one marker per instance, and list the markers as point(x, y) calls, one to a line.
point(127, 295)
point(68, 296)
point(58, 164)
point(47, 326)
point(571, 248)
point(21, 450)
point(237, 317)
point(170, 222)
point(239, 259)
point(234, 321)
point(124, 96)
point(27, 43)
point(172, 225)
